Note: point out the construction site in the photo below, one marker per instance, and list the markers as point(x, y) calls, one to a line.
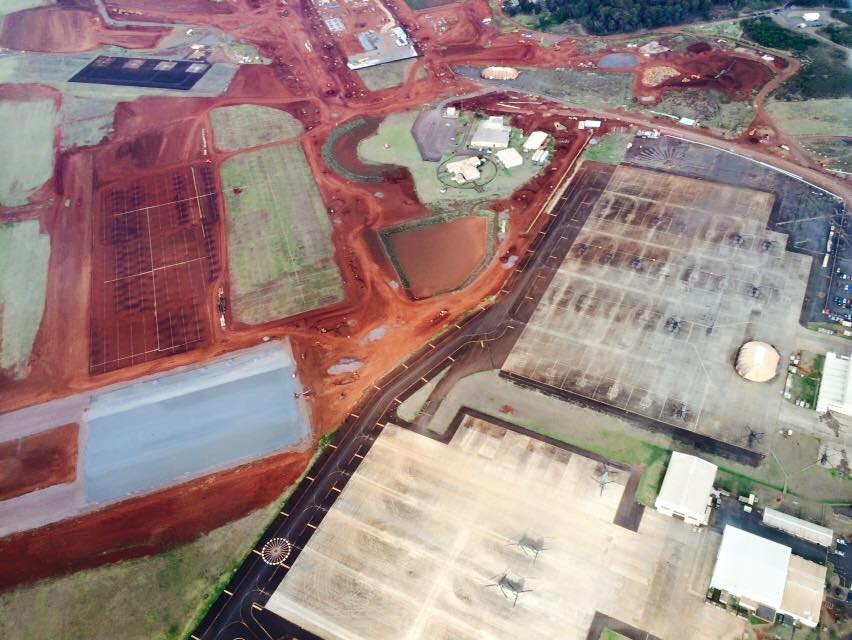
point(237, 228)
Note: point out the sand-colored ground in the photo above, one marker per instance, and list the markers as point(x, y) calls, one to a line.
point(414, 545)
point(654, 76)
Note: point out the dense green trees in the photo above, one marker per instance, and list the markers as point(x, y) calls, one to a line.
point(614, 16)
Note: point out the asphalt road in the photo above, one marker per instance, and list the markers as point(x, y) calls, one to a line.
point(239, 612)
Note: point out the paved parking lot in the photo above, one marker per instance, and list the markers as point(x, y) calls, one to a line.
point(803, 213)
point(668, 278)
point(418, 541)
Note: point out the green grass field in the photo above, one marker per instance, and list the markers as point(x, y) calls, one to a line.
point(395, 131)
point(610, 149)
point(244, 126)
point(160, 597)
point(838, 151)
point(710, 108)
point(724, 29)
point(24, 256)
point(26, 135)
point(609, 634)
point(830, 117)
point(385, 76)
point(280, 254)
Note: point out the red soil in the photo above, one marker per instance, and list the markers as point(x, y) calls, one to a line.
point(736, 77)
point(53, 29)
point(155, 136)
point(440, 257)
point(38, 461)
point(345, 150)
point(148, 524)
point(156, 257)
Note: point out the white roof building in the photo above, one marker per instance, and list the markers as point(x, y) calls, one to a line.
point(491, 134)
point(760, 572)
point(689, 122)
point(589, 124)
point(535, 140)
point(686, 489)
point(835, 388)
point(810, 16)
point(465, 170)
point(803, 529)
point(451, 112)
point(510, 158)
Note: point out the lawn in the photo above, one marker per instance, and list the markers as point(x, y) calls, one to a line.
point(26, 134)
point(610, 149)
point(159, 597)
point(385, 76)
point(248, 125)
point(828, 117)
point(280, 253)
point(394, 143)
point(724, 29)
point(710, 108)
point(609, 634)
point(592, 89)
point(836, 151)
point(24, 257)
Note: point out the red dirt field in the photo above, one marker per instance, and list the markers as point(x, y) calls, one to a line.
point(148, 524)
point(158, 138)
point(53, 29)
point(38, 461)
point(736, 77)
point(155, 258)
point(439, 257)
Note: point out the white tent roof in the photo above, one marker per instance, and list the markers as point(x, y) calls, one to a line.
point(751, 567)
point(757, 361)
point(688, 484)
point(535, 140)
point(510, 158)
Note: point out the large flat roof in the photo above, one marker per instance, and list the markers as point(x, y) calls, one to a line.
point(169, 428)
point(804, 590)
point(751, 567)
point(688, 483)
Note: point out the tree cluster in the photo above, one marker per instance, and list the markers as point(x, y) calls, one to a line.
point(603, 17)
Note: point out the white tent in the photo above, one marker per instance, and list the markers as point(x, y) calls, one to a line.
point(757, 361)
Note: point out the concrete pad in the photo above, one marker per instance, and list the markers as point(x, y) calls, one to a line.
point(417, 542)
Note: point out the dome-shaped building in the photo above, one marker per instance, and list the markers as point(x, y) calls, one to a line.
point(500, 73)
point(757, 361)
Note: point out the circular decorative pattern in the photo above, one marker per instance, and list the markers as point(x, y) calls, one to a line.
point(276, 551)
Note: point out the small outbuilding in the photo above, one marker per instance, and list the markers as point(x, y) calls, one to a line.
point(535, 140)
point(757, 361)
point(686, 489)
point(803, 529)
point(510, 158)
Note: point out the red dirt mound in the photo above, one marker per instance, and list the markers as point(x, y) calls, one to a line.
point(736, 77)
point(699, 47)
point(38, 461)
point(50, 29)
point(148, 524)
